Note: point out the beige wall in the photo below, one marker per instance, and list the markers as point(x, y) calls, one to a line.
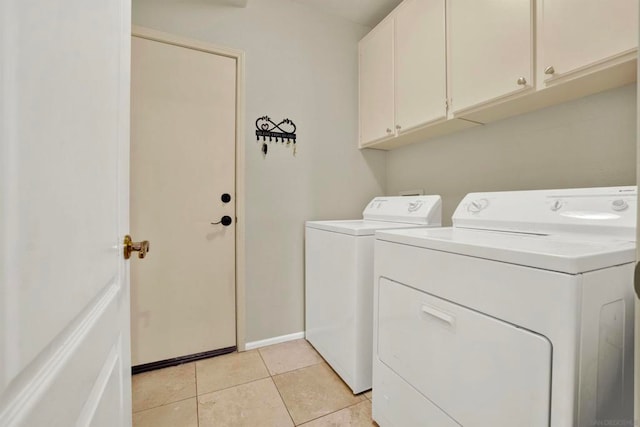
point(583, 143)
point(302, 65)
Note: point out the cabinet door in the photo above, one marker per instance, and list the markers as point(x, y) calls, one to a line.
point(491, 52)
point(420, 63)
point(579, 33)
point(376, 84)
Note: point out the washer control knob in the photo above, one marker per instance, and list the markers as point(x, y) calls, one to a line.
point(477, 205)
point(619, 205)
point(556, 205)
point(414, 206)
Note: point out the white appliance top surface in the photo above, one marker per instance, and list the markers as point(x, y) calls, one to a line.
point(358, 227)
point(571, 231)
point(567, 254)
point(389, 212)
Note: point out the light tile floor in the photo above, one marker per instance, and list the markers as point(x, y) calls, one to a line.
point(285, 384)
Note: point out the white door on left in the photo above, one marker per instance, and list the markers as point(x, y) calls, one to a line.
point(64, 291)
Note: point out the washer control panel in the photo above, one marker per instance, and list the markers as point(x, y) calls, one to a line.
point(405, 209)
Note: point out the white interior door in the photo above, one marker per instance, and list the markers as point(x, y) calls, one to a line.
point(182, 162)
point(64, 138)
point(636, 278)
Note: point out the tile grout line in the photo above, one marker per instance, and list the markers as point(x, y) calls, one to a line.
point(277, 389)
point(272, 377)
point(164, 404)
point(298, 369)
point(363, 397)
point(331, 413)
point(235, 385)
point(239, 384)
point(172, 401)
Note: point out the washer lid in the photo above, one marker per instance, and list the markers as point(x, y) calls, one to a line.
point(568, 254)
point(357, 227)
point(386, 213)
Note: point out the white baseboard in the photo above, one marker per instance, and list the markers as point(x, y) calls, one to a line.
point(275, 340)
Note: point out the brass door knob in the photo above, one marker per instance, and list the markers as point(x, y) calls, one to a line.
point(130, 246)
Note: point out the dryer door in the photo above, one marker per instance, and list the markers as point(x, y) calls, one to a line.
point(479, 370)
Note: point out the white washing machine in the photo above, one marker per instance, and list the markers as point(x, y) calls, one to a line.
point(339, 281)
point(521, 314)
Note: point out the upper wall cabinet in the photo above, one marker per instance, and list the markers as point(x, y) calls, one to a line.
point(578, 35)
point(376, 84)
point(491, 51)
point(420, 57)
point(427, 70)
point(403, 72)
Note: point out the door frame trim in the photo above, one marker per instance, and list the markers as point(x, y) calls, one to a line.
point(239, 56)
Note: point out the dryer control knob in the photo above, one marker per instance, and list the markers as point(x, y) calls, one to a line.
point(477, 205)
point(556, 205)
point(619, 205)
point(414, 206)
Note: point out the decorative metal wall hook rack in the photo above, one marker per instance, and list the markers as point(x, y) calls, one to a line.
point(285, 130)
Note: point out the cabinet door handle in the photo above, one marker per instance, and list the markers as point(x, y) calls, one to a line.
point(398, 127)
point(549, 70)
point(389, 130)
point(522, 81)
point(434, 312)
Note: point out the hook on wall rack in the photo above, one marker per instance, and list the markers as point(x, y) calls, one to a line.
point(266, 128)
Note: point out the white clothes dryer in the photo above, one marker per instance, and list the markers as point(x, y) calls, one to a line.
point(339, 281)
point(521, 314)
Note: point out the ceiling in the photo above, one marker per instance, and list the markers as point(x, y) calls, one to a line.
point(365, 12)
